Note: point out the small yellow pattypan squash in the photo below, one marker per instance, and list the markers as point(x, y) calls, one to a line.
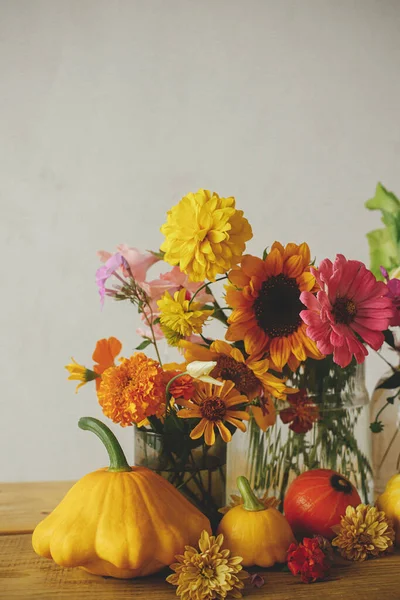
point(119, 521)
point(389, 502)
point(260, 535)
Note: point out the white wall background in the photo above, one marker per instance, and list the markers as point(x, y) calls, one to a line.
point(110, 111)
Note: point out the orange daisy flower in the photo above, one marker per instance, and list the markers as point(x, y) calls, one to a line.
point(213, 405)
point(265, 296)
point(250, 376)
point(104, 356)
point(133, 390)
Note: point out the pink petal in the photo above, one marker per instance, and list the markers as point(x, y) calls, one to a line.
point(374, 338)
point(309, 300)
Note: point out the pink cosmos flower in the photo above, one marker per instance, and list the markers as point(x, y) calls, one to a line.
point(350, 308)
point(393, 286)
point(139, 262)
point(104, 273)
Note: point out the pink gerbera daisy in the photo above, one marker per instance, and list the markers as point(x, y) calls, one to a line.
point(350, 308)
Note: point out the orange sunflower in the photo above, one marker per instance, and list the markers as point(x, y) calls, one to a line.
point(213, 405)
point(265, 296)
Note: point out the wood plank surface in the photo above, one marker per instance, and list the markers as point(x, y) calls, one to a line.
point(25, 575)
point(23, 505)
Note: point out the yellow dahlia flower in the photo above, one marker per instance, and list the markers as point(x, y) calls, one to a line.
point(205, 235)
point(181, 317)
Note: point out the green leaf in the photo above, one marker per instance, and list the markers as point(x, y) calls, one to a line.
point(265, 253)
point(156, 321)
point(391, 383)
point(384, 243)
point(391, 399)
point(144, 344)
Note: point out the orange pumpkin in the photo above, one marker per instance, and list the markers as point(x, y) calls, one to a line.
point(316, 500)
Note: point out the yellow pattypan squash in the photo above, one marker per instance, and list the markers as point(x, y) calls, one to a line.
point(260, 535)
point(119, 521)
point(389, 502)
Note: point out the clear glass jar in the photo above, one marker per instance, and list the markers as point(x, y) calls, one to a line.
point(385, 444)
point(198, 471)
point(339, 440)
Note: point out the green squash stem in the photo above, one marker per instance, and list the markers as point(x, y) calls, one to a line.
point(118, 462)
point(250, 501)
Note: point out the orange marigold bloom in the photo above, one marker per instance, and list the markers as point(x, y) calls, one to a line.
point(265, 296)
point(104, 355)
point(302, 413)
point(133, 390)
point(213, 404)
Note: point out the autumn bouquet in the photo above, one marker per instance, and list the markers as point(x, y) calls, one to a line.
point(289, 324)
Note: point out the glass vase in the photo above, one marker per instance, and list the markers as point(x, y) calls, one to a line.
point(339, 440)
point(386, 443)
point(198, 471)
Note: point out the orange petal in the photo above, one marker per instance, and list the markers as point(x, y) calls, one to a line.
point(253, 266)
point(209, 434)
point(195, 351)
point(290, 250)
point(238, 278)
point(237, 355)
point(274, 262)
point(221, 347)
point(306, 282)
point(264, 420)
point(224, 431)
point(305, 253)
point(278, 246)
point(297, 346)
point(198, 431)
point(105, 352)
point(239, 424)
point(188, 413)
point(294, 266)
point(238, 414)
point(280, 351)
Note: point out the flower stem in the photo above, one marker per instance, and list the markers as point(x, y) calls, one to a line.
point(250, 502)
point(206, 285)
point(118, 462)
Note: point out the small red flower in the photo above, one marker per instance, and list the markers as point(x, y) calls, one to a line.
point(310, 559)
point(182, 387)
point(302, 412)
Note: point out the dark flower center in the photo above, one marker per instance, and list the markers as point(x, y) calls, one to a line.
point(230, 369)
point(213, 409)
point(277, 308)
point(344, 311)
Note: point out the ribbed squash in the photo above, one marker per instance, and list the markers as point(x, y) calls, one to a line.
point(119, 521)
point(260, 535)
point(389, 502)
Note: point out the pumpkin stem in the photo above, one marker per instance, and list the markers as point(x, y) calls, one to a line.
point(250, 501)
point(118, 462)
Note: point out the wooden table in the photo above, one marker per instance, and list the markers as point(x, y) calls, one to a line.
point(25, 575)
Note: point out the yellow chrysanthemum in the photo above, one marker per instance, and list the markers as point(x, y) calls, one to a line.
point(180, 317)
point(133, 390)
point(205, 235)
point(208, 574)
point(214, 404)
point(265, 296)
point(250, 376)
point(363, 531)
point(80, 373)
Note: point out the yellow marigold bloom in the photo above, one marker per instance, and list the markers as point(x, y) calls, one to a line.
point(363, 531)
point(80, 373)
point(133, 390)
point(205, 235)
point(180, 317)
point(265, 296)
point(214, 404)
point(209, 573)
